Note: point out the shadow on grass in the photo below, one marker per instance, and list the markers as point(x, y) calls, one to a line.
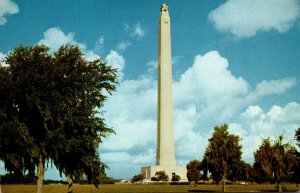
point(201, 191)
point(283, 190)
point(277, 190)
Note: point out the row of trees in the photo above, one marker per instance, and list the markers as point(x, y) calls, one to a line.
point(160, 176)
point(50, 112)
point(275, 161)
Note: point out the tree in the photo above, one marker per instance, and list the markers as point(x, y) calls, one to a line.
point(138, 178)
point(160, 176)
point(296, 167)
point(247, 172)
point(222, 155)
point(243, 171)
point(275, 160)
point(193, 171)
point(297, 136)
point(175, 178)
point(50, 111)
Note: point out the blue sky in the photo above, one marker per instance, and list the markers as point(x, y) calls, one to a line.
point(234, 62)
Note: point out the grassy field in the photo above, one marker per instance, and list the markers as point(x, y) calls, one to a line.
point(146, 188)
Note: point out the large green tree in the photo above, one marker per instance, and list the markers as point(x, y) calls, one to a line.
point(193, 171)
point(50, 111)
point(275, 161)
point(223, 154)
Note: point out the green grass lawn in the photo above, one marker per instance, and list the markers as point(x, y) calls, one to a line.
point(145, 188)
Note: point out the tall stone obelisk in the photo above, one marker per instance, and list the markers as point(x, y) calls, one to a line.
point(165, 152)
point(165, 143)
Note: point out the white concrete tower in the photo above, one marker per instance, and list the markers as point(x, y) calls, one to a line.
point(165, 152)
point(165, 140)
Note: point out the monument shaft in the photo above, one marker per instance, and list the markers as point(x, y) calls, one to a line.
point(165, 153)
point(165, 142)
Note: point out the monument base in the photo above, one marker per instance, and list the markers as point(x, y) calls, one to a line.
point(149, 171)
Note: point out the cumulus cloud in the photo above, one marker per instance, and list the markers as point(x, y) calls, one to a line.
point(7, 7)
point(207, 94)
point(210, 82)
point(274, 86)
point(55, 37)
point(117, 61)
point(255, 124)
point(252, 112)
point(122, 46)
point(244, 18)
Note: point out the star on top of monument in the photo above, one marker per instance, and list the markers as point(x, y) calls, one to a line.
point(164, 7)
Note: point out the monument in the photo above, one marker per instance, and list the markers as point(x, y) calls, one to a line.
point(165, 152)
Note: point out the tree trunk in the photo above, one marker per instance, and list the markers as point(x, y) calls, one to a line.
point(279, 187)
point(70, 181)
point(223, 186)
point(224, 181)
point(40, 176)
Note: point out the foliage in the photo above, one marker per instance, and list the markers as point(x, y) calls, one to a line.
point(275, 161)
point(223, 154)
point(13, 179)
point(175, 178)
point(296, 167)
point(243, 171)
point(49, 111)
point(193, 171)
point(297, 136)
point(160, 176)
point(138, 178)
point(263, 160)
point(154, 178)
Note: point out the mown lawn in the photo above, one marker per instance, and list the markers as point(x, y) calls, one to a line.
point(146, 188)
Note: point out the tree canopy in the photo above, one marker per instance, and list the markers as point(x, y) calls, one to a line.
point(223, 154)
point(193, 171)
point(160, 176)
point(51, 111)
point(138, 178)
point(275, 161)
point(297, 136)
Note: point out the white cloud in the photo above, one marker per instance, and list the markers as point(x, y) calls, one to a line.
point(255, 124)
point(207, 94)
point(210, 82)
point(122, 46)
point(55, 37)
point(253, 112)
point(2, 57)
point(244, 18)
point(138, 31)
point(7, 7)
point(90, 55)
point(274, 86)
point(117, 61)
